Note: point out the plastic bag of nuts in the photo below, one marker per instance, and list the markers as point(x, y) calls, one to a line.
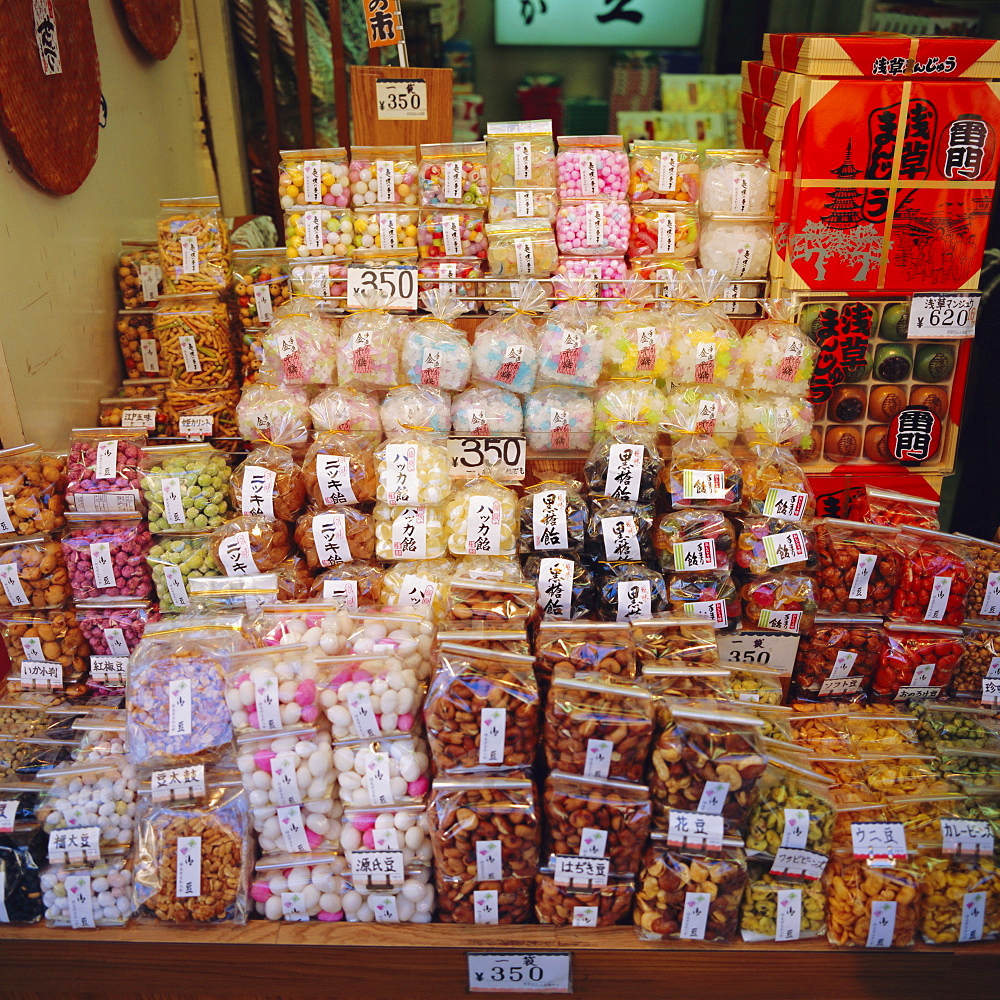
point(970, 768)
point(917, 661)
point(694, 539)
point(936, 578)
point(859, 567)
point(133, 411)
point(394, 770)
point(921, 816)
point(485, 828)
point(32, 574)
point(955, 725)
point(185, 487)
point(54, 635)
point(498, 901)
point(871, 907)
point(836, 658)
point(708, 759)
point(881, 734)
point(687, 894)
point(984, 595)
point(331, 536)
point(759, 919)
point(111, 875)
point(667, 683)
point(481, 710)
point(877, 506)
point(577, 906)
point(597, 818)
point(486, 601)
point(598, 728)
point(553, 516)
point(758, 684)
point(31, 491)
point(193, 860)
point(274, 485)
point(260, 284)
point(568, 649)
point(953, 888)
point(506, 637)
point(140, 280)
point(677, 640)
point(906, 773)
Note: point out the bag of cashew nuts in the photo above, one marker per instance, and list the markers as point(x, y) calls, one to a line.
point(708, 759)
point(482, 711)
point(490, 601)
point(485, 828)
point(598, 728)
point(569, 649)
point(667, 683)
point(576, 904)
point(193, 858)
point(690, 894)
point(596, 818)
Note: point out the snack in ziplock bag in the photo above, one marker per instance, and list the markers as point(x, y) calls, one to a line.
point(239, 594)
point(922, 815)
point(592, 227)
point(175, 560)
point(111, 875)
point(335, 536)
point(22, 857)
point(970, 768)
point(419, 586)
point(489, 600)
point(300, 343)
point(603, 276)
point(625, 464)
point(702, 474)
point(781, 908)
point(737, 247)
point(689, 893)
point(961, 900)
point(383, 175)
point(664, 173)
point(505, 347)
point(570, 342)
point(626, 402)
point(404, 826)
point(709, 595)
point(260, 285)
point(368, 349)
point(104, 462)
point(735, 182)
point(507, 637)
point(628, 590)
point(565, 585)
point(511, 203)
point(500, 695)
point(936, 578)
point(570, 649)
point(494, 902)
point(140, 279)
point(984, 599)
point(637, 337)
point(394, 770)
point(939, 725)
point(658, 232)
point(769, 543)
point(339, 468)
point(783, 602)
point(693, 540)
point(452, 232)
point(436, 353)
point(32, 484)
point(619, 530)
point(836, 658)
point(294, 578)
point(55, 636)
point(414, 470)
point(785, 420)
point(521, 154)
point(756, 684)
point(192, 860)
point(195, 345)
point(577, 905)
point(354, 585)
point(906, 772)
point(411, 901)
point(268, 483)
point(877, 506)
point(249, 545)
point(106, 557)
point(185, 487)
point(320, 231)
point(193, 241)
point(775, 485)
point(859, 566)
point(341, 409)
point(274, 414)
point(559, 418)
point(486, 411)
point(521, 248)
point(778, 357)
point(300, 887)
point(982, 647)
point(553, 515)
point(708, 409)
point(454, 173)
point(320, 277)
point(673, 640)
point(200, 413)
point(409, 406)
point(314, 177)
point(409, 532)
point(456, 277)
point(592, 166)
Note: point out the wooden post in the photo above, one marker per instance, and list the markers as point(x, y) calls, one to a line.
point(341, 92)
point(303, 77)
point(262, 29)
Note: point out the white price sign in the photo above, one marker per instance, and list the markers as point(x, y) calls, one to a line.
point(401, 100)
point(764, 648)
point(506, 455)
point(525, 972)
point(934, 316)
point(396, 285)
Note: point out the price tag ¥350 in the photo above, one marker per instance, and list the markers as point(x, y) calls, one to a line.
point(396, 285)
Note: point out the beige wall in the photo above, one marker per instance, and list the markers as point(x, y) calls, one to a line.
point(57, 254)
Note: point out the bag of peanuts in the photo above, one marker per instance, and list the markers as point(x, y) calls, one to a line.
point(836, 658)
point(576, 905)
point(351, 585)
point(780, 908)
point(507, 637)
point(984, 596)
point(485, 828)
point(688, 893)
point(572, 649)
point(268, 483)
point(192, 859)
point(486, 601)
point(707, 759)
point(677, 640)
point(961, 899)
point(874, 505)
point(859, 568)
point(497, 901)
point(482, 710)
point(598, 728)
point(31, 491)
point(596, 818)
point(553, 515)
point(667, 682)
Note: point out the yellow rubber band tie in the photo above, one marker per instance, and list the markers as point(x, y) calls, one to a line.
point(417, 427)
point(273, 444)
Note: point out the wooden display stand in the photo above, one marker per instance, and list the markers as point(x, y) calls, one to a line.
point(428, 962)
point(371, 128)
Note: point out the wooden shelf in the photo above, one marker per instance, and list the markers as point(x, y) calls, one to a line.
point(365, 962)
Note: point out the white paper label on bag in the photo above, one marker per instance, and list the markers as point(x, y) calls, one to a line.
point(583, 873)
point(11, 583)
point(377, 781)
point(386, 839)
point(621, 539)
point(343, 592)
point(524, 204)
point(180, 707)
point(385, 191)
point(149, 278)
point(549, 526)
point(359, 704)
point(262, 300)
point(4, 917)
point(923, 675)
point(788, 922)
point(107, 503)
point(624, 471)
point(312, 181)
point(257, 493)
point(513, 357)
point(189, 354)
point(416, 591)
point(780, 621)
point(585, 916)
point(329, 532)
point(41, 674)
point(387, 232)
point(796, 831)
point(883, 924)
point(881, 845)
point(862, 576)
point(589, 173)
point(293, 906)
point(741, 191)
point(991, 691)
point(8, 813)
point(555, 587)
point(704, 362)
point(293, 829)
point(991, 599)
point(109, 670)
point(80, 896)
point(704, 484)
point(195, 427)
point(189, 254)
point(714, 611)
point(485, 906)
point(634, 599)
point(695, 916)
point(74, 845)
point(334, 475)
point(558, 428)
point(694, 829)
point(482, 526)
point(966, 838)
point(645, 348)
point(594, 224)
point(106, 463)
point(489, 860)
point(843, 664)
point(795, 861)
point(266, 703)
point(409, 534)
point(430, 366)
point(173, 504)
point(841, 685)
point(973, 913)
point(667, 179)
point(32, 648)
point(6, 525)
point(524, 255)
point(188, 867)
point(492, 735)
point(384, 907)
point(236, 555)
point(451, 235)
point(374, 869)
point(785, 503)
point(713, 797)
point(174, 783)
point(784, 548)
point(522, 161)
point(938, 603)
point(150, 359)
point(666, 232)
point(598, 760)
point(138, 420)
point(401, 474)
point(453, 180)
point(692, 556)
point(103, 565)
point(175, 586)
point(593, 843)
point(284, 780)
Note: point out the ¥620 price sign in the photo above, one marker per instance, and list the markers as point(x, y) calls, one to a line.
point(935, 315)
point(397, 284)
point(533, 972)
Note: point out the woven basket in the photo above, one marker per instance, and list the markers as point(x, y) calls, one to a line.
point(156, 24)
point(49, 124)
